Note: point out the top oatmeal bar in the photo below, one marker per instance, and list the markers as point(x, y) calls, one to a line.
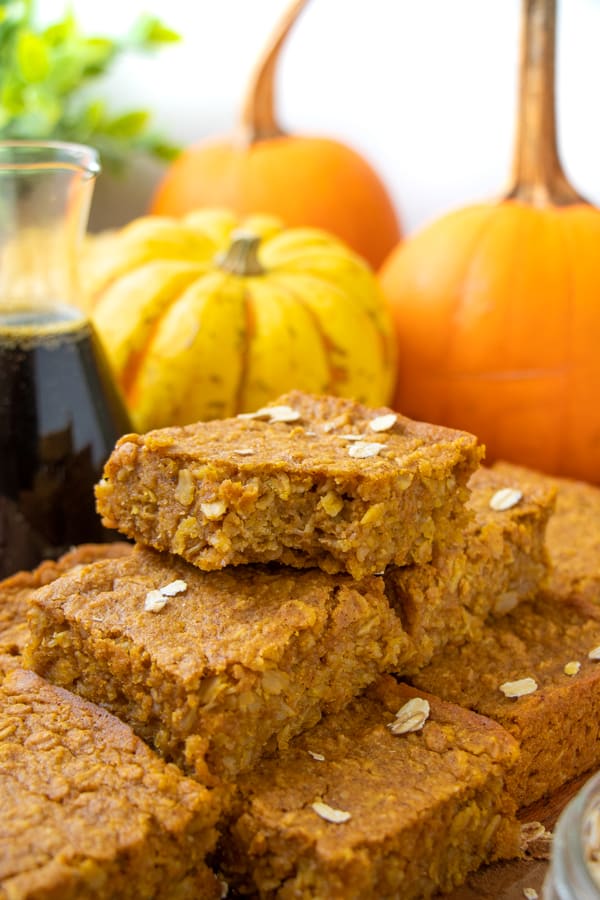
point(307, 481)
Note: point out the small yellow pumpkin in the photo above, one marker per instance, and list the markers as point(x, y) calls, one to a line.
point(205, 317)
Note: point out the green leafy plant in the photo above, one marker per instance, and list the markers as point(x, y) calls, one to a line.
point(45, 78)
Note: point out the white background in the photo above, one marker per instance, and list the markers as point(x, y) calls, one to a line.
point(425, 89)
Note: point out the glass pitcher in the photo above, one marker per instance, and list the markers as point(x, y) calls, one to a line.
point(60, 412)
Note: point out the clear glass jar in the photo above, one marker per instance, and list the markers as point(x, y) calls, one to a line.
point(60, 410)
point(576, 836)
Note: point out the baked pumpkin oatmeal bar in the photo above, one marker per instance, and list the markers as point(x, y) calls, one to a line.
point(500, 561)
point(212, 668)
point(544, 653)
point(307, 481)
point(88, 811)
point(16, 590)
point(353, 811)
point(536, 671)
point(573, 535)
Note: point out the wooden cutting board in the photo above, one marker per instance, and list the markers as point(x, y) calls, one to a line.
point(507, 881)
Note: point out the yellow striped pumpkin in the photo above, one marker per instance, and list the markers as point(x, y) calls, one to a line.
point(205, 316)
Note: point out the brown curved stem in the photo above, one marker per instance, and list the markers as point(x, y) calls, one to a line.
point(538, 177)
point(242, 256)
point(258, 121)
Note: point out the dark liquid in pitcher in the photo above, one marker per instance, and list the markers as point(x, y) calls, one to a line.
point(60, 416)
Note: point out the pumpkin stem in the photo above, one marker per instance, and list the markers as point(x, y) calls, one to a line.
point(258, 121)
point(242, 256)
point(538, 177)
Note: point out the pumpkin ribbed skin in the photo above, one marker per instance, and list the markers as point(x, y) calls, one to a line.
point(189, 340)
point(497, 313)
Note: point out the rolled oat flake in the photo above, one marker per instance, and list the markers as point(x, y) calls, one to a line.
point(364, 449)
point(329, 813)
point(410, 717)
point(383, 423)
point(282, 414)
point(174, 587)
point(273, 414)
point(505, 498)
point(519, 688)
point(155, 601)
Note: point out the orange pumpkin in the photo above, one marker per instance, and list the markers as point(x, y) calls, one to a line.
point(312, 181)
point(497, 306)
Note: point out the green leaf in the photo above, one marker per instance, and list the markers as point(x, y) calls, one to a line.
point(160, 148)
point(32, 56)
point(61, 32)
point(17, 11)
point(149, 32)
point(82, 122)
point(45, 75)
point(12, 97)
point(128, 125)
point(65, 77)
point(95, 54)
point(92, 116)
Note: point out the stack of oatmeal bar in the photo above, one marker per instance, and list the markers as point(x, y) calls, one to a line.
point(353, 649)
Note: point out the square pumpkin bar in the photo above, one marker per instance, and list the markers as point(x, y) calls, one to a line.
point(16, 590)
point(399, 795)
point(573, 534)
point(212, 668)
point(500, 561)
point(87, 810)
point(306, 481)
point(535, 671)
